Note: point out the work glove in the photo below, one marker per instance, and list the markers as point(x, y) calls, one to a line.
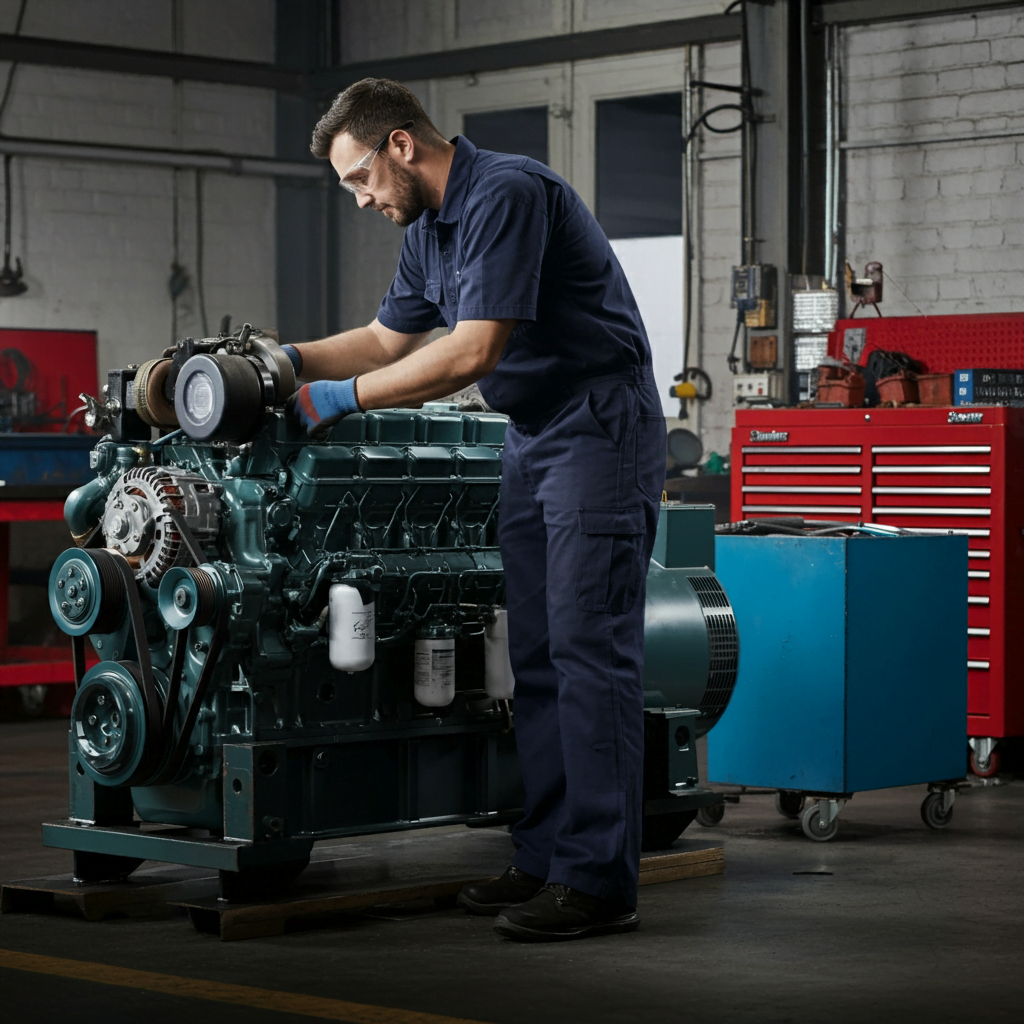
point(318, 406)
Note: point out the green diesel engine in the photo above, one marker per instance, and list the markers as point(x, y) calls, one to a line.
point(301, 639)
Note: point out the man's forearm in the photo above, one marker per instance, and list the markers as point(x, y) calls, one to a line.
point(447, 365)
point(343, 355)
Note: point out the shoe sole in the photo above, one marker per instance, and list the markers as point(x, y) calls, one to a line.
point(485, 909)
point(521, 933)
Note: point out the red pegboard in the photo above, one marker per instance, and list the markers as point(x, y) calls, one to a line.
point(63, 365)
point(943, 344)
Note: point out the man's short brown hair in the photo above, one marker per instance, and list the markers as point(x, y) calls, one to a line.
point(368, 111)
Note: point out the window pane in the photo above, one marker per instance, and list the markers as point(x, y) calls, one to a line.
point(523, 130)
point(640, 165)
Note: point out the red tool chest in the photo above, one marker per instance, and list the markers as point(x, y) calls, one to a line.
point(930, 469)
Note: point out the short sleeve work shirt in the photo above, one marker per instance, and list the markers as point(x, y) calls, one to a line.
point(513, 240)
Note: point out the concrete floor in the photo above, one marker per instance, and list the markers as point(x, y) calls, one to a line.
point(910, 925)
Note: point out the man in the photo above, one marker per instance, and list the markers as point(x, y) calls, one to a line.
point(503, 251)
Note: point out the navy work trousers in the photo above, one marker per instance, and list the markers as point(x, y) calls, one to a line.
point(579, 507)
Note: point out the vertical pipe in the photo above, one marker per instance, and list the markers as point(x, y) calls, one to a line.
point(687, 192)
point(747, 145)
point(839, 168)
point(200, 269)
point(697, 229)
point(805, 148)
point(829, 162)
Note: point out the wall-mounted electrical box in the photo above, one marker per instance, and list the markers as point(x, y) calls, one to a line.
point(759, 388)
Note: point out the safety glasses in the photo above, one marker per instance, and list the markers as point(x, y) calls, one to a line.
point(361, 168)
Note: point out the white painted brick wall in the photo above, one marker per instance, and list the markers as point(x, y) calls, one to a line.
point(946, 219)
point(96, 239)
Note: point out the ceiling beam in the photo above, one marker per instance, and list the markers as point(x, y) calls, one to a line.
point(851, 12)
point(556, 49)
point(573, 46)
point(159, 63)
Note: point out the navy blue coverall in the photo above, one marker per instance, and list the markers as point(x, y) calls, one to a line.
point(584, 465)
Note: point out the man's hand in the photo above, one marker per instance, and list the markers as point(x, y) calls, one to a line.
point(321, 404)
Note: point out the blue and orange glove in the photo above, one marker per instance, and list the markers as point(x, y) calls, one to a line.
point(320, 405)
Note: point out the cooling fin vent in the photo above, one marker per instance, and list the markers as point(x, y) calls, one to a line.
point(723, 647)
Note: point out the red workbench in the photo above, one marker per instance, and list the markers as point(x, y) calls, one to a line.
point(22, 665)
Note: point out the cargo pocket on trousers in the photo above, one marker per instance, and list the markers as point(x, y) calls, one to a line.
point(608, 567)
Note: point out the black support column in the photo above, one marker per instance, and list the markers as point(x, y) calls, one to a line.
point(308, 250)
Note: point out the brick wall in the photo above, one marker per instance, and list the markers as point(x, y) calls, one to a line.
point(946, 219)
point(96, 239)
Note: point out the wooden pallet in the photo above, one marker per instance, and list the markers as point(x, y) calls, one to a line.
point(401, 870)
point(383, 871)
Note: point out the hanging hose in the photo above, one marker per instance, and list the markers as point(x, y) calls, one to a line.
point(11, 282)
point(200, 291)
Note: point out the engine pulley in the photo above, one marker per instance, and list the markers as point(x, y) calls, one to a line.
point(189, 597)
point(115, 729)
point(86, 592)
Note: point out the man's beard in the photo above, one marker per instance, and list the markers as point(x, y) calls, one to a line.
point(408, 201)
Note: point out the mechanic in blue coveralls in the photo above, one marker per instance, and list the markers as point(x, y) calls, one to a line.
point(503, 252)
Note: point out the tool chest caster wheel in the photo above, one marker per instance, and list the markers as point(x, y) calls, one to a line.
point(937, 809)
point(789, 804)
point(813, 828)
point(985, 767)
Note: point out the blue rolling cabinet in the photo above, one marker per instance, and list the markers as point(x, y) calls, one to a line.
point(852, 670)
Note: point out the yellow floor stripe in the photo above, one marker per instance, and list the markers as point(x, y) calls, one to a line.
point(219, 992)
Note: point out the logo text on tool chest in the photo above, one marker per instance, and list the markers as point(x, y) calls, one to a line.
point(769, 435)
point(964, 417)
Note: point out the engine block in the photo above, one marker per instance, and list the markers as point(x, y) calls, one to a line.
point(303, 639)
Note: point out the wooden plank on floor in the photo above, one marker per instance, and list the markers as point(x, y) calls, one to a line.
point(342, 877)
point(697, 862)
point(412, 868)
point(146, 892)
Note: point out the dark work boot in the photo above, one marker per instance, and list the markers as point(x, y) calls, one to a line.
point(558, 912)
point(490, 898)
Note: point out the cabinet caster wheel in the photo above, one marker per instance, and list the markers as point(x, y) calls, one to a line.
point(789, 804)
point(985, 768)
point(711, 816)
point(813, 828)
point(932, 813)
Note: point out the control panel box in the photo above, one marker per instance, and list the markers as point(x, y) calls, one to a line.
point(759, 388)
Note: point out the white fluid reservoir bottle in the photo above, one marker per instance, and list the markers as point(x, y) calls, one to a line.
point(351, 629)
point(434, 668)
point(498, 681)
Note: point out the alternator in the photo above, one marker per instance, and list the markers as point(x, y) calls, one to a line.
point(136, 520)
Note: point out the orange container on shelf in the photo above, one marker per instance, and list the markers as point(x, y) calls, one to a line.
point(847, 391)
point(935, 389)
point(899, 389)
